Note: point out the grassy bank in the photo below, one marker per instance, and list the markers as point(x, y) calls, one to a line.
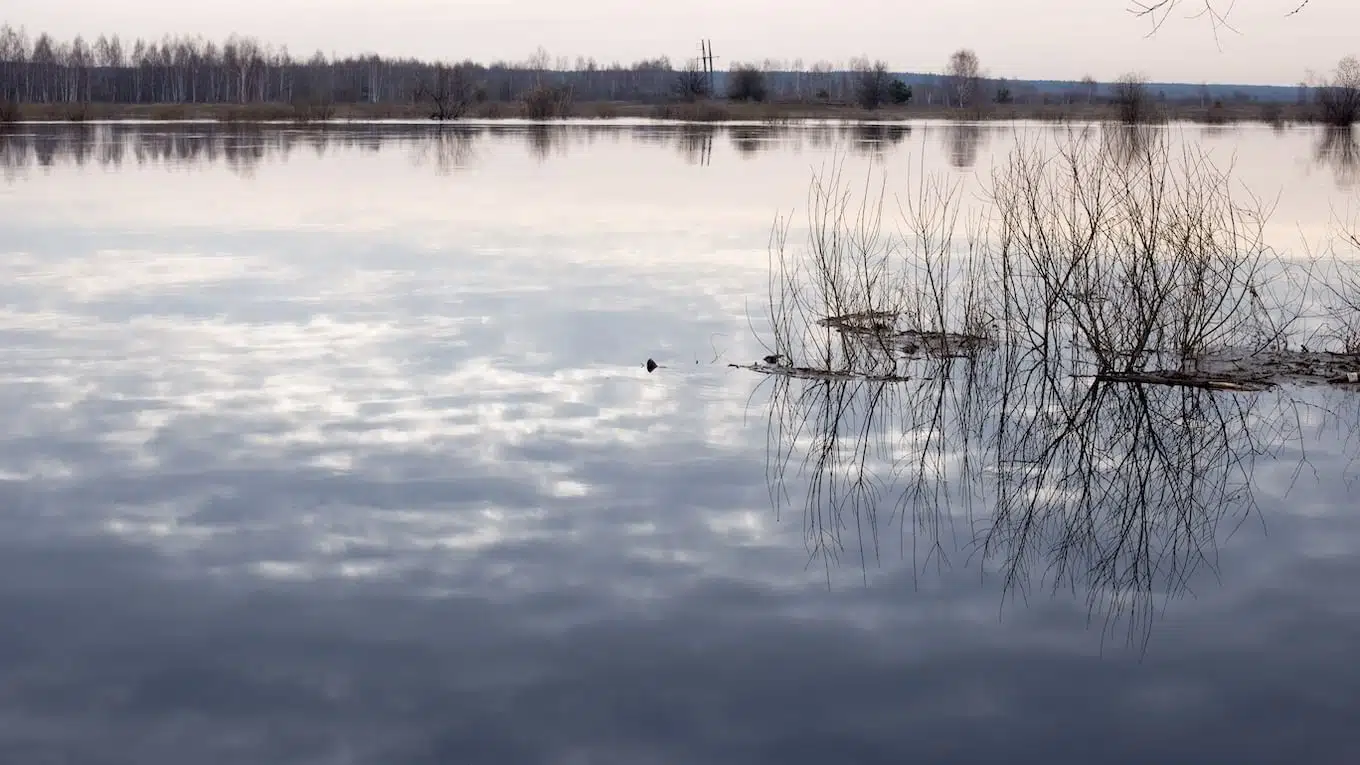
point(703, 111)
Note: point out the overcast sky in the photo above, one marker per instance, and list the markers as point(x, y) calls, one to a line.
point(1058, 39)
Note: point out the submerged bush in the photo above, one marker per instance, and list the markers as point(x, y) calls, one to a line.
point(1153, 257)
point(1108, 249)
point(543, 102)
point(1339, 99)
point(1132, 102)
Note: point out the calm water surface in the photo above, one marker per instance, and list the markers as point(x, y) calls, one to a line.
point(337, 447)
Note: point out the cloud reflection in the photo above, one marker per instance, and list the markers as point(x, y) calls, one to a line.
point(309, 494)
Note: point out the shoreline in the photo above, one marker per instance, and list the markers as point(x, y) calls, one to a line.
point(713, 111)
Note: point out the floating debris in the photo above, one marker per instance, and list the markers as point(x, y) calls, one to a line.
point(863, 322)
point(944, 344)
point(651, 365)
point(809, 373)
point(1188, 380)
point(1282, 366)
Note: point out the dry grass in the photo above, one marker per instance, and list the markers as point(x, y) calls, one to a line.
point(545, 102)
point(695, 111)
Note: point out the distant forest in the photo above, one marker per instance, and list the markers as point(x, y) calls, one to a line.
point(241, 70)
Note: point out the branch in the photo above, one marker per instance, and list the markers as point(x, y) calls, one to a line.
point(1157, 12)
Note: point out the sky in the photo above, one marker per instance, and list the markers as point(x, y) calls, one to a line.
point(1027, 39)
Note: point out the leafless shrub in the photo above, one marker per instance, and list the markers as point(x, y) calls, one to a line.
point(9, 112)
point(1133, 104)
point(543, 102)
point(1339, 99)
point(1341, 304)
point(861, 299)
point(449, 90)
point(1154, 261)
point(691, 84)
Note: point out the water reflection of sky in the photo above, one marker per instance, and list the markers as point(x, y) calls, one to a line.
point(349, 459)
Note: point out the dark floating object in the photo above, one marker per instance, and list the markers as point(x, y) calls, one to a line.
point(651, 365)
point(773, 358)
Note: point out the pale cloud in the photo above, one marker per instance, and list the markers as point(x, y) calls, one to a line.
point(1057, 39)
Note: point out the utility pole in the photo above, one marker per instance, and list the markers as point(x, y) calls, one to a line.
point(706, 57)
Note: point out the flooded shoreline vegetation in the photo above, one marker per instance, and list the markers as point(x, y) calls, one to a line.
point(1046, 384)
point(1143, 260)
point(1101, 247)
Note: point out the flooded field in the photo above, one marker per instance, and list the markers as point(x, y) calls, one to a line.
point(340, 444)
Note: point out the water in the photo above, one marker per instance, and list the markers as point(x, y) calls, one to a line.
point(337, 446)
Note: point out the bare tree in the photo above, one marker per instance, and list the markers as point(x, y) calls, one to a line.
point(871, 83)
point(1339, 99)
point(449, 91)
point(746, 82)
point(1088, 84)
point(1131, 99)
point(691, 83)
point(964, 76)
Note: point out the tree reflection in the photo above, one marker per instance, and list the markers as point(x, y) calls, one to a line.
point(874, 139)
point(1338, 150)
point(695, 143)
point(1117, 492)
point(1129, 144)
point(963, 142)
point(447, 148)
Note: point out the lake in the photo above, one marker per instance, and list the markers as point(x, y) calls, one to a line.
point(337, 445)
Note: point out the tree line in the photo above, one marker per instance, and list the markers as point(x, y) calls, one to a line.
point(242, 70)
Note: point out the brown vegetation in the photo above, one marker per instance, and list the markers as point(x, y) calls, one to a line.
point(545, 102)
